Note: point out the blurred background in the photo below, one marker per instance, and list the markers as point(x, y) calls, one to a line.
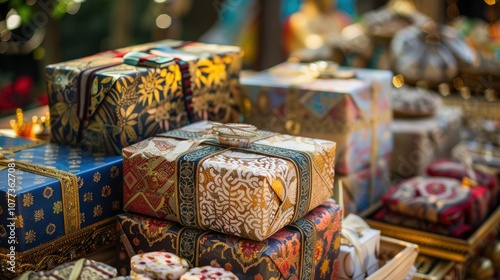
point(34, 33)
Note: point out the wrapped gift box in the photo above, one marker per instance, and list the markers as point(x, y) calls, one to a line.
point(37, 208)
point(307, 249)
point(103, 104)
point(441, 246)
point(365, 187)
point(418, 142)
point(351, 267)
point(439, 200)
point(355, 113)
point(249, 192)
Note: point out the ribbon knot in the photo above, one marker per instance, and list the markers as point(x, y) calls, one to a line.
point(352, 228)
point(232, 135)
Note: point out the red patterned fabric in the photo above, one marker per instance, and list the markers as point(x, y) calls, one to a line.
point(453, 169)
point(437, 199)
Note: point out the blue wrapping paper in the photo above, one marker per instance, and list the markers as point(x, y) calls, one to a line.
point(38, 207)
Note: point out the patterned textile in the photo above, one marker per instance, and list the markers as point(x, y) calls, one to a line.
point(249, 192)
point(434, 199)
point(307, 249)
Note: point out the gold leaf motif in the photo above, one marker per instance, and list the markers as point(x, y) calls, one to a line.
point(57, 207)
point(87, 197)
point(106, 191)
point(30, 237)
point(97, 210)
point(19, 222)
point(39, 215)
point(80, 182)
point(28, 200)
point(97, 177)
point(50, 229)
point(114, 172)
point(48, 192)
point(115, 205)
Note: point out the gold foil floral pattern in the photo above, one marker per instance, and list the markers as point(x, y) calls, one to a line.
point(30, 236)
point(57, 207)
point(19, 222)
point(28, 199)
point(97, 210)
point(39, 215)
point(87, 197)
point(106, 191)
point(97, 177)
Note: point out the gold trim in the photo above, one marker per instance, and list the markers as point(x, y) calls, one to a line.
point(436, 245)
point(81, 243)
point(438, 272)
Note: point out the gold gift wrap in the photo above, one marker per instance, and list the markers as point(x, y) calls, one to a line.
point(70, 247)
point(353, 112)
point(249, 192)
point(436, 245)
point(109, 100)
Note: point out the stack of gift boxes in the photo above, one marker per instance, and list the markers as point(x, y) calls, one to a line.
point(255, 202)
point(59, 200)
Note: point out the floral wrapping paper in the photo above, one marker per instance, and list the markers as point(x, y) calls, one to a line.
point(307, 249)
point(249, 192)
point(418, 142)
point(101, 104)
point(38, 212)
point(361, 190)
point(355, 113)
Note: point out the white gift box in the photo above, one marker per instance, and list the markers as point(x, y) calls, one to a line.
point(358, 265)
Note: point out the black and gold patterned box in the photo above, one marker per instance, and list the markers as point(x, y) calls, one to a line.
point(113, 99)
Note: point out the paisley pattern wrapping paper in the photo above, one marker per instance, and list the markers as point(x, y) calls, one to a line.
point(249, 192)
point(39, 211)
point(307, 249)
point(355, 113)
point(126, 104)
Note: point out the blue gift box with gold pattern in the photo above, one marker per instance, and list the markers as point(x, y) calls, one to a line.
point(48, 191)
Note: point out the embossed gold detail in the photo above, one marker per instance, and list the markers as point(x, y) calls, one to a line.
point(115, 171)
point(97, 177)
point(19, 223)
point(39, 215)
point(87, 197)
point(48, 192)
point(50, 229)
point(28, 200)
point(30, 236)
point(97, 210)
point(106, 191)
point(57, 207)
point(101, 235)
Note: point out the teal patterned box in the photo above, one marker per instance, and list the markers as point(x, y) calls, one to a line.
point(36, 209)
